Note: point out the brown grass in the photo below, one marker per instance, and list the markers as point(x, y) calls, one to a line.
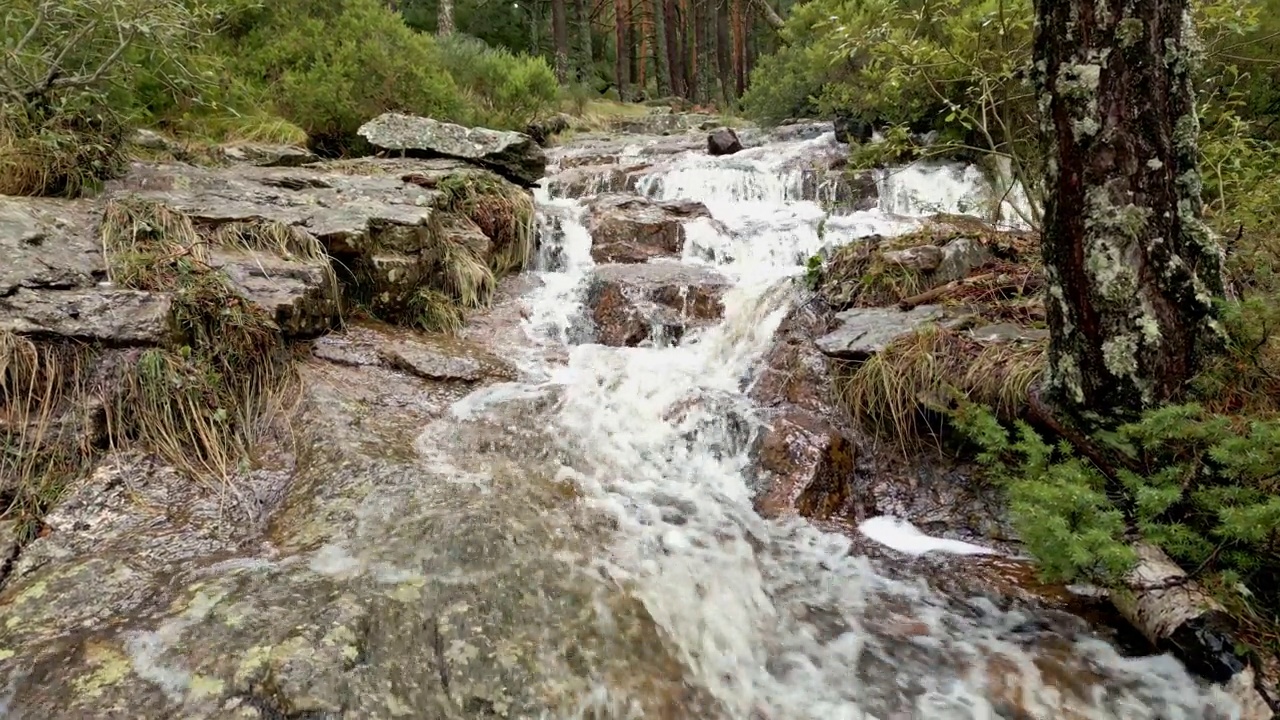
point(927, 370)
point(64, 157)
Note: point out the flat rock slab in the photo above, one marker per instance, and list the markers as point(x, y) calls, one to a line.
point(346, 211)
point(513, 155)
point(48, 243)
point(633, 229)
point(269, 155)
point(863, 332)
point(301, 296)
point(430, 363)
point(111, 315)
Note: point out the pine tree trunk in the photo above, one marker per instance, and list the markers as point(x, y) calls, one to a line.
point(661, 60)
point(584, 55)
point(675, 56)
point(1132, 271)
point(740, 46)
point(444, 19)
point(560, 34)
point(724, 54)
point(621, 61)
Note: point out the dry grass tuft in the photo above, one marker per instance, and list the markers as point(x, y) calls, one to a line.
point(503, 211)
point(198, 406)
point(434, 311)
point(63, 157)
point(927, 370)
point(44, 440)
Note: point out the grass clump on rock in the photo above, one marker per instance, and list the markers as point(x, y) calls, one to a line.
point(894, 391)
point(45, 432)
point(502, 210)
point(199, 404)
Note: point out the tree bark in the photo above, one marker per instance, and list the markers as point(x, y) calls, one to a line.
point(1132, 271)
point(584, 63)
point(560, 35)
point(444, 19)
point(724, 54)
point(622, 55)
point(661, 58)
point(675, 52)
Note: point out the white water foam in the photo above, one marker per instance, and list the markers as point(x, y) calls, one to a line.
point(778, 619)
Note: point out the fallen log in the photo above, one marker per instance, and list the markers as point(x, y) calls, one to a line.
point(1180, 617)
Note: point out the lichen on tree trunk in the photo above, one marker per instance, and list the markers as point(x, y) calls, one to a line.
point(1132, 271)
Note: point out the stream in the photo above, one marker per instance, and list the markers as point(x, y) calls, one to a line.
point(576, 540)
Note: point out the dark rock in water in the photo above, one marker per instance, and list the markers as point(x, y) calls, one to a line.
point(513, 155)
point(633, 229)
point(628, 303)
point(853, 130)
point(723, 141)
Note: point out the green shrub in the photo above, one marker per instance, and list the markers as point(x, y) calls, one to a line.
point(503, 90)
point(330, 65)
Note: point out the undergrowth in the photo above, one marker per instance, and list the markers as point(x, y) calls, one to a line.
point(200, 405)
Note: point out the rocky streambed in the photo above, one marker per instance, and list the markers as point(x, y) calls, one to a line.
point(304, 442)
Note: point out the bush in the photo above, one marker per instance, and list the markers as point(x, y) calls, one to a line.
point(71, 76)
point(503, 90)
point(329, 66)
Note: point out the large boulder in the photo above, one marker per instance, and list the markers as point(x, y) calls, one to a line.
point(723, 141)
point(634, 229)
point(511, 154)
point(631, 304)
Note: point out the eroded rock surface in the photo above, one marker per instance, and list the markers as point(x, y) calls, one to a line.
point(863, 332)
point(514, 155)
point(631, 304)
point(633, 229)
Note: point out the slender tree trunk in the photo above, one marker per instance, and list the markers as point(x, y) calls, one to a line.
point(1132, 271)
point(583, 68)
point(704, 48)
point(444, 19)
point(635, 71)
point(661, 60)
point(560, 34)
point(623, 52)
point(688, 44)
point(675, 55)
point(724, 53)
point(740, 46)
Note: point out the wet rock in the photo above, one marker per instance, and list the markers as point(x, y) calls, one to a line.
point(798, 130)
point(513, 155)
point(805, 450)
point(863, 332)
point(718, 422)
point(959, 258)
point(110, 315)
point(723, 141)
point(48, 244)
point(584, 181)
point(429, 363)
point(923, 258)
point(630, 304)
point(633, 229)
point(543, 130)
point(301, 296)
point(269, 155)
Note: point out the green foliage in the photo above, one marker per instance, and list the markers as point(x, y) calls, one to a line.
point(329, 66)
point(1201, 485)
point(504, 90)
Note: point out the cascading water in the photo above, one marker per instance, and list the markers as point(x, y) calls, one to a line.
point(777, 619)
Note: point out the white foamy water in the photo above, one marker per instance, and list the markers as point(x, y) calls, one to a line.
point(778, 620)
